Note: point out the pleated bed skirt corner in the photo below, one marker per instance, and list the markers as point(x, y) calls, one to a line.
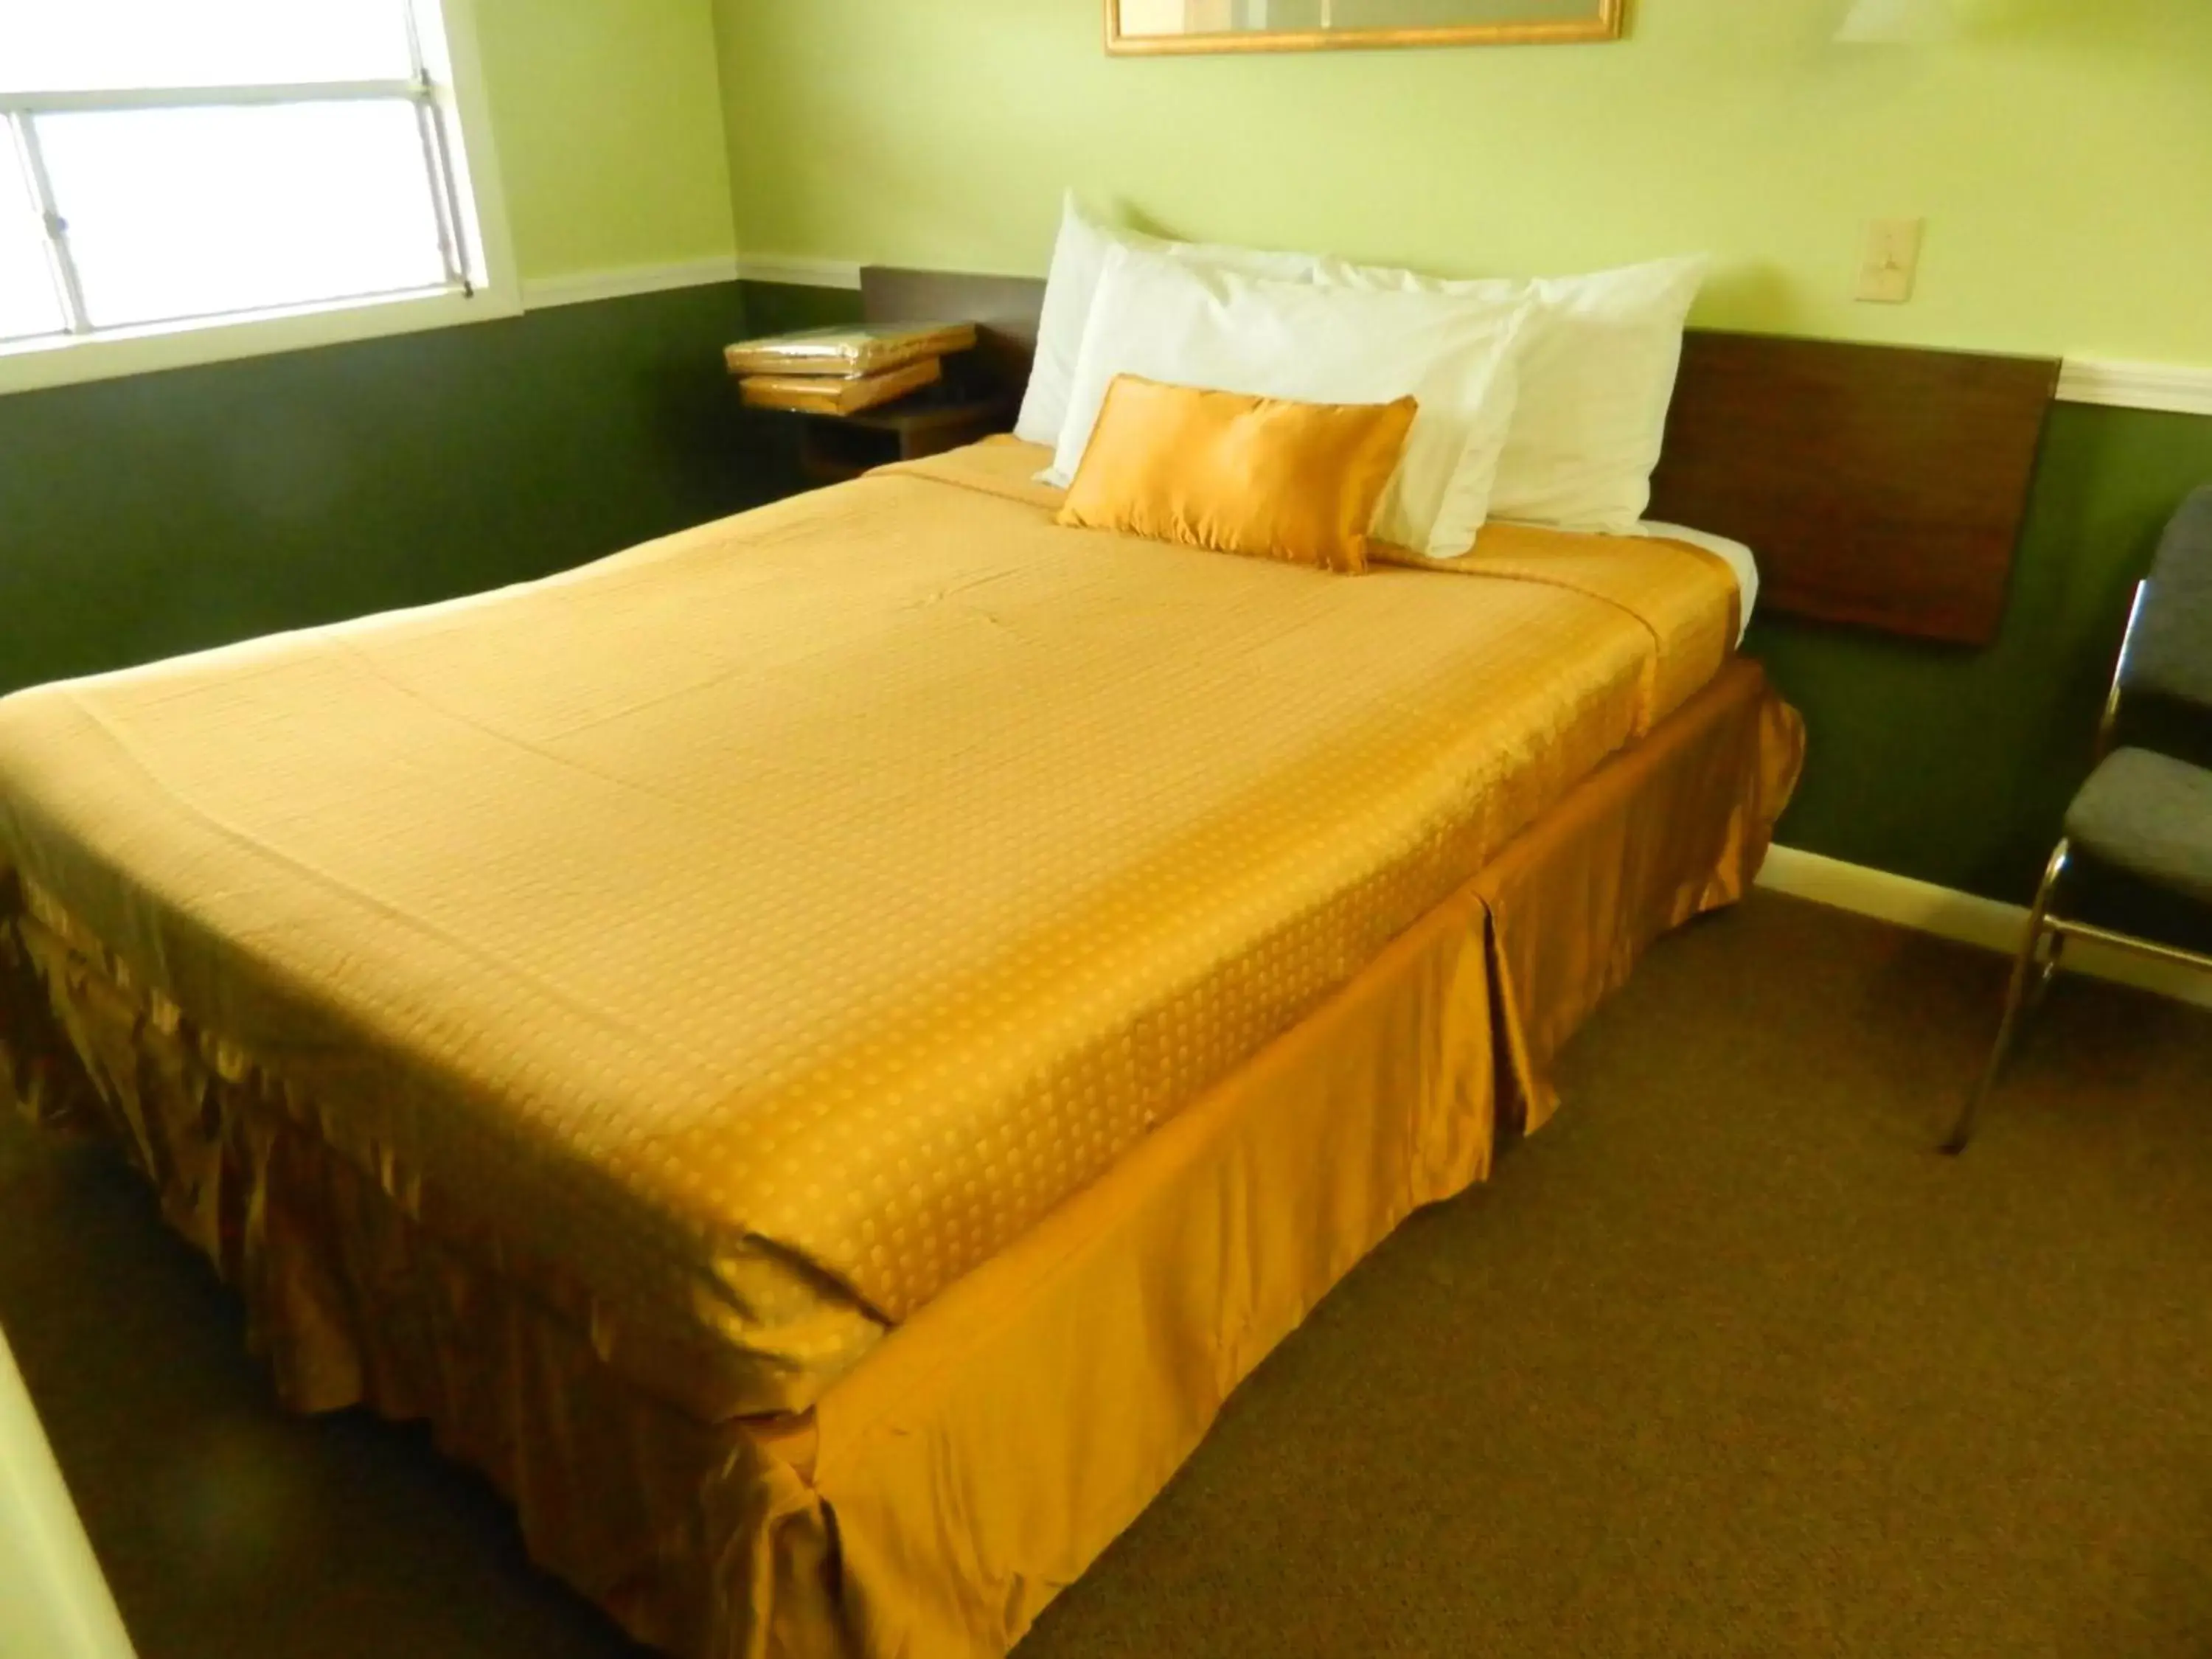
point(991, 1447)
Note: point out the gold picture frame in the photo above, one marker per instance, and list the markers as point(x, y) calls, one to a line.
point(1604, 21)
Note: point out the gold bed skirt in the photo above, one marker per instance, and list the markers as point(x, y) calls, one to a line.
point(993, 1445)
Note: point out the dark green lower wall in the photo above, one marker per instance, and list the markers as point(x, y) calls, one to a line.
point(778, 308)
point(163, 512)
point(144, 517)
point(1955, 766)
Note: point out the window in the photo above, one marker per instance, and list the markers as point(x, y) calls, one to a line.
point(226, 168)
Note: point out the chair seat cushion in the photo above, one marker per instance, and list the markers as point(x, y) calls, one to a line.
point(2152, 817)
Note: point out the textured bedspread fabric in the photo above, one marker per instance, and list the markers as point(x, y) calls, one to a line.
point(737, 940)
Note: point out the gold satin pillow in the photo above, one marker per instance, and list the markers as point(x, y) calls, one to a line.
point(1258, 476)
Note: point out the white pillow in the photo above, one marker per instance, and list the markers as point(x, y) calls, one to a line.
point(1597, 365)
point(1203, 326)
point(1077, 260)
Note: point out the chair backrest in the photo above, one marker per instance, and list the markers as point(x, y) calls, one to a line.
point(2171, 656)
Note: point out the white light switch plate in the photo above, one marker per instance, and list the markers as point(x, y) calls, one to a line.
point(1892, 261)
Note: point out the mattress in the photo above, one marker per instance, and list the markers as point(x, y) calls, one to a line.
point(733, 943)
point(1742, 562)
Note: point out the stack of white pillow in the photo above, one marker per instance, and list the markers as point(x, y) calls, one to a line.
point(1543, 401)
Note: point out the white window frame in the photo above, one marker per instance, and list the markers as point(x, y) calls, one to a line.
point(482, 242)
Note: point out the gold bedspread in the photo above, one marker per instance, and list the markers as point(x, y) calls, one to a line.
point(734, 942)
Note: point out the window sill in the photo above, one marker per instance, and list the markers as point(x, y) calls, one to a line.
point(34, 365)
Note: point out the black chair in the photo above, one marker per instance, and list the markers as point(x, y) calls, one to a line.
point(2138, 837)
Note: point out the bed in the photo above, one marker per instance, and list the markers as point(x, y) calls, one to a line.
point(818, 1051)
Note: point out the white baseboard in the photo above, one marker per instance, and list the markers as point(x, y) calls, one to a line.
point(1964, 919)
point(583, 287)
point(53, 1600)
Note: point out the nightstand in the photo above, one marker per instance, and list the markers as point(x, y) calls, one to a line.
point(834, 448)
point(979, 395)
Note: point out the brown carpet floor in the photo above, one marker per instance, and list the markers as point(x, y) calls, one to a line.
point(1726, 1362)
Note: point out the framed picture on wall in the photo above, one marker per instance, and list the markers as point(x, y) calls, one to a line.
point(1158, 26)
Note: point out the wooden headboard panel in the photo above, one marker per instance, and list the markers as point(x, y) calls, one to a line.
point(1879, 486)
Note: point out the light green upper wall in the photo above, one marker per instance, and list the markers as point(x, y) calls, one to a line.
point(2061, 151)
point(608, 115)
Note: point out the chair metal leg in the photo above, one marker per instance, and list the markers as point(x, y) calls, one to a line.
point(2021, 997)
point(2051, 960)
